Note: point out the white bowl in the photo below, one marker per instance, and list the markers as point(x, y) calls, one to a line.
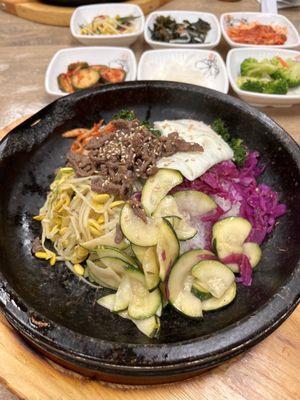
point(208, 62)
point(212, 39)
point(118, 57)
point(234, 59)
point(85, 15)
point(293, 39)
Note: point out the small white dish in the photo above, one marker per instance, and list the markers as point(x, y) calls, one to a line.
point(212, 39)
point(233, 62)
point(115, 57)
point(85, 14)
point(205, 64)
point(293, 39)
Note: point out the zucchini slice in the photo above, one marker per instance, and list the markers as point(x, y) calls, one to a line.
point(183, 230)
point(213, 276)
point(116, 264)
point(229, 235)
point(149, 326)
point(136, 230)
point(123, 295)
point(168, 208)
point(65, 83)
point(106, 240)
point(143, 303)
point(139, 252)
point(167, 248)
point(107, 301)
point(253, 252)
point(103, 276)
point(113, 252)
point(199, 291)
point(151, 268)
point(215, 304)
point(194, 203)
point(180, 283)
point(157, 187)
point(85, 78)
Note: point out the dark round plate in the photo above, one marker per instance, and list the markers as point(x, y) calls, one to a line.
point(79, 333)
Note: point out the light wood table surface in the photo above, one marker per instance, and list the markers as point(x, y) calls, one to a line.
point(270, 371)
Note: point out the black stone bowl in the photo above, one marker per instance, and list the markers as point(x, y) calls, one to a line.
point(57, 313)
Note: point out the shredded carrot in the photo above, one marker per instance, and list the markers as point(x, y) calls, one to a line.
point(83, 136)
point(282, 62)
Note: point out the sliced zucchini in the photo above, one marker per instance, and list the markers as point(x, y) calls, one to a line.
point(167, 248)
point(167, 207)
point(157, 187)
point(65, 83)
point(194, 203)
point(85, 78)
point(199, 291)
point(151, 268)
point(149, 326)
point(213, 276)
point(183, 230)
point(136, 230)
point(143, 303)
point(139, 252)
point(113, 252)
point(213, 303)
point(105, 240)
point(229, 235)
point(113, 75)
point(180, 283)
point(253, 252)
point(107, 301)
point(123, 295)
point(103, 276)
point(116, 264)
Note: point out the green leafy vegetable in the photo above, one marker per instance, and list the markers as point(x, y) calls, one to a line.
point(251, 85)
point(238, 148)
point(125, 114)
point(278, 86)
point(264, 85)
point(151, 128)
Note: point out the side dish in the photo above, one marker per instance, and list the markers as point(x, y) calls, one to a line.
point(163, 213)
point(167, 29)
point(269, 76)
point(246, 32)
point(81, 75)
point(106, 25)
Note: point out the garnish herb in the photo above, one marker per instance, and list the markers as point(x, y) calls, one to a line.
point(237, 145)
point(130, 116)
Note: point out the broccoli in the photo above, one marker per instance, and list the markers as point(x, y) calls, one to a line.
point(290, 73)
point(278, 86)
point(259, 69)
point(219, 127)
point(252, 85)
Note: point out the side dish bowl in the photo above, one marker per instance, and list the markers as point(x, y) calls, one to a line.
point(85, 15)
point(293, 39)
point(233, 62)
point(114, 57)
point(207, 63)
point(212, 39)
point(57, 313)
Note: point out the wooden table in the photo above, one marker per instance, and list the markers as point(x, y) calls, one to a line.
point(270, 371)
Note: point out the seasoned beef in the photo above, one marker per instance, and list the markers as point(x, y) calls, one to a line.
point(125, 155)
point(137, 208)
point(119, 234)
point(36, 245)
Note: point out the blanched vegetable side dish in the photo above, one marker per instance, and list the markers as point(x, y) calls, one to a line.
point(168, 214)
